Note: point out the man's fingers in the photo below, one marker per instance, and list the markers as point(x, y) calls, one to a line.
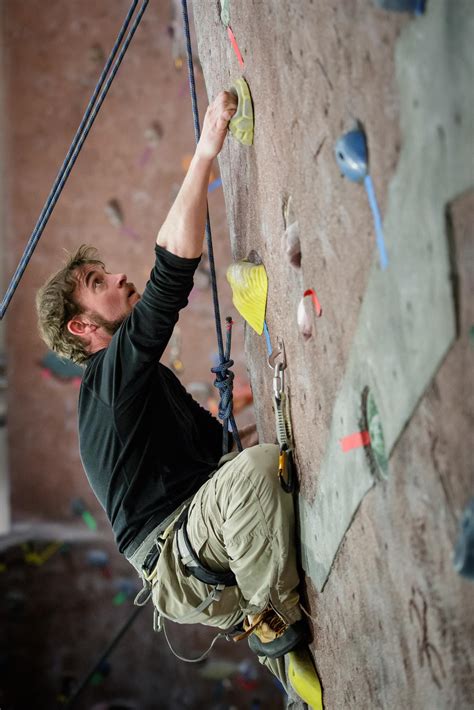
point(216, 122)
point(225, 102)
point(224, 119)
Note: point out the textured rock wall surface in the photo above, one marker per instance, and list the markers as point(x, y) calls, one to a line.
point(394, 623)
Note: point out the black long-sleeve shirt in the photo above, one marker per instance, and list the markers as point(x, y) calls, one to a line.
point(146, 445)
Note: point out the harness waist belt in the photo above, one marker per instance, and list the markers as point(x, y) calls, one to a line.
point(148, 546)
point(151, 560)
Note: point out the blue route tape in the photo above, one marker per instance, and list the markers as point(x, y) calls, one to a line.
point(267, 338)
point(377, 222)
point(214, 184)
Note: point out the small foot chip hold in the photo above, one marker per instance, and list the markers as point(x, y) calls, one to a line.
point(114, 213)
point(241, 125)
point(304, 678)
point(292, 234)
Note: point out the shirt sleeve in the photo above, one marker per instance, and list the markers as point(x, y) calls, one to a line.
point(143, 336)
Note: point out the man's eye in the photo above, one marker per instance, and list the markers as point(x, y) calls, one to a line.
point(97, 283)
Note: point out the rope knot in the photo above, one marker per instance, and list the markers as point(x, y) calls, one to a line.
point(224, 383)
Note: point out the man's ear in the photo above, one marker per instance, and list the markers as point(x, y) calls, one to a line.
point(78, 326)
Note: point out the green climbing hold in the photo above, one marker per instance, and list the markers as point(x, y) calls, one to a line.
point(119, 599)
point(89, 520)
point(225, 13)
point(377, 441)
point(241, 125)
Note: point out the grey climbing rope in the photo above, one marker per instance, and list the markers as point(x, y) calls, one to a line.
point(96, 101)
point(224, 375)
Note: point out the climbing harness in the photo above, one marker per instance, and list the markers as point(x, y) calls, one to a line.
point(224, 376)
point(218, 581)
point(96, 101)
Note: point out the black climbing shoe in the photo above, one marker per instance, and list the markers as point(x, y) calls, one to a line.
point(295, 635)
point(269, 635)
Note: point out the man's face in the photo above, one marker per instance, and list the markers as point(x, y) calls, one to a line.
point(106, 298)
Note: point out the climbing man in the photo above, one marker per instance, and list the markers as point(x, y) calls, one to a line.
point(212, 538)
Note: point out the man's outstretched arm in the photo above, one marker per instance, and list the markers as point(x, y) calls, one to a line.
point(182, 232)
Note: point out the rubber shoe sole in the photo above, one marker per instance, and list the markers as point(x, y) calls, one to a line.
point(294, 636)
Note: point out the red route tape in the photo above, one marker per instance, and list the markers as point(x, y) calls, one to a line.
point(355, 441)
point(235, 46)
point(311, 292)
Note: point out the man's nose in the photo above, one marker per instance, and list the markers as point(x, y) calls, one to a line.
point(121, 280)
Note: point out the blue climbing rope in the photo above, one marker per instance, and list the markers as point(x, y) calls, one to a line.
point(96, 101)
point(224, 376)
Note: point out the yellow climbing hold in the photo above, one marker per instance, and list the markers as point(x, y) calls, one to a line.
point(304, 678)
point(249, 284)
point(241, 124)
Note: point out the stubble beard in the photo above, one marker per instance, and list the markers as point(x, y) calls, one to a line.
point(110, 326)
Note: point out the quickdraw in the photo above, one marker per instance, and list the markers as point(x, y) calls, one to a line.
point(277, 362)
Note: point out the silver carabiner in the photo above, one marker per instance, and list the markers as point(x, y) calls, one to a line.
point(277, 361)
point(278, 381)
point(278, 352)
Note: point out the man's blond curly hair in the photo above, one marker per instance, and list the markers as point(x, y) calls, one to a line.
point(56, 306)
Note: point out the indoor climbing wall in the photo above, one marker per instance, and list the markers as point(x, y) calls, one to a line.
point(356, 196)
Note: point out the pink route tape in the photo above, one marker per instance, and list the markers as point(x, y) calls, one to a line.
point(317, 306)
point(355, 441)
point(235, 46)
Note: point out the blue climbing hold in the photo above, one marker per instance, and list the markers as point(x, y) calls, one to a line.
point(416, 6)
point(464, 550)
point(351, 155)
point(352, 158)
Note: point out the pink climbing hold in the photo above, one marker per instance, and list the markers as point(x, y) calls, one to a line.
point(311, 292)
point(304, 315)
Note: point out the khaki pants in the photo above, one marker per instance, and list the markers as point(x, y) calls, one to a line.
point(240, 519)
